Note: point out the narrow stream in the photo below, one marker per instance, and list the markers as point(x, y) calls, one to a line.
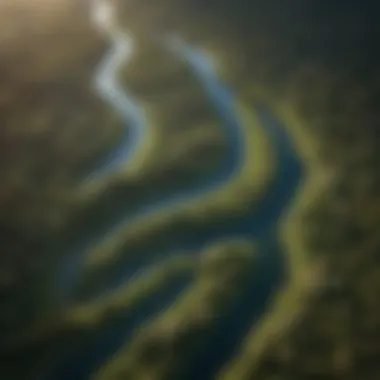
point(107, 85)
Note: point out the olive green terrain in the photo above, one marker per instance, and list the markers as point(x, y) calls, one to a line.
point(54, 127)
point(45, 210)
point(317, 68)
point(320, 63)
point(44, 94)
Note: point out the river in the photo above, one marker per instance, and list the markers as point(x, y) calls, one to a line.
point(259, 224)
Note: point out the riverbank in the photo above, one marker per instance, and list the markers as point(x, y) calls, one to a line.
point(183, 143)
point(162, 345)
point(306, 273)
point(236, 197)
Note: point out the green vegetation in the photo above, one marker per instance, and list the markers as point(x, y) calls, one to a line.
point(53, 335)
point(320, 67)
point(330, 237)
point(148, 233)
point(311, 66)
point(83, 318)
point(330, 234)
point(161, 346)
point(220, 270)
point(47, 137)
point(184, 143)
point(307, 274)
point(52, 126)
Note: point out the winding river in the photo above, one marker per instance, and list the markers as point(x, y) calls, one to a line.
point(259, 223)
point(108, 87)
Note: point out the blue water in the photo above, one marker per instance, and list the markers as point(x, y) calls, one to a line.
point(123, 103)
point(259, 223)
